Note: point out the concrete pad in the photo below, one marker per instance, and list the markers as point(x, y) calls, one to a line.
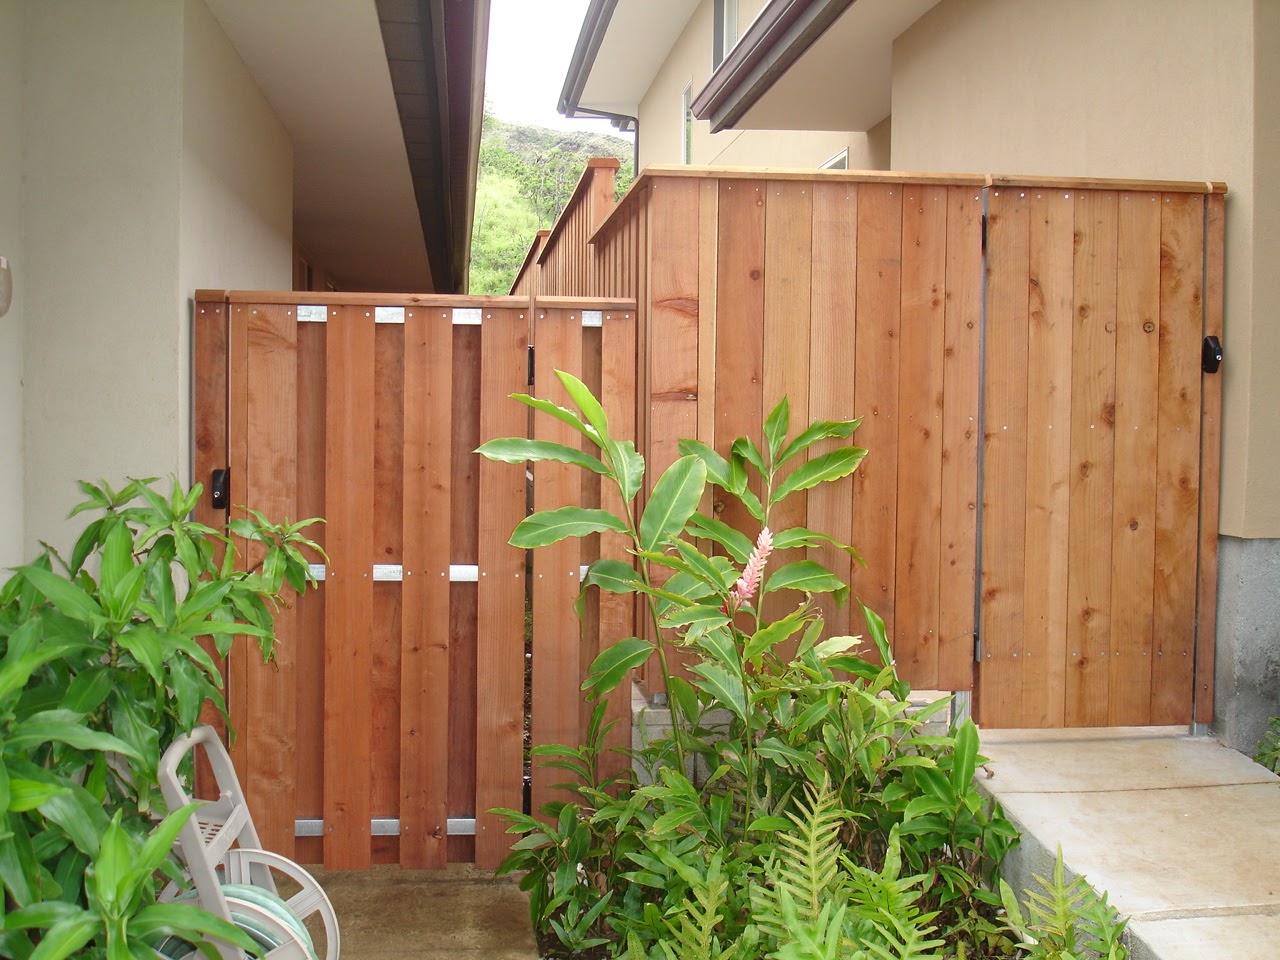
point(1190, 849)
point(1247, 937)
point(1130, 759)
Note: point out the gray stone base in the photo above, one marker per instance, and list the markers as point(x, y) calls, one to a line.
point(1247, 660)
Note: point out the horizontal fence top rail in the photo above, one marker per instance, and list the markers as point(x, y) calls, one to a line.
point(328, 298)
point(657, 172)
point(577, 198)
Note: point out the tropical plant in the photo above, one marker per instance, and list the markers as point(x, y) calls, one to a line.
point(687, 858)
point(1268, 752)
point(102, 664)
point(1064, 920)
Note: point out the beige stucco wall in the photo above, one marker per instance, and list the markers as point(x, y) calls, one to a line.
point(11, 458)
point(1146, 89)
point(129, 201)
point(236, 194)
point(661, 119)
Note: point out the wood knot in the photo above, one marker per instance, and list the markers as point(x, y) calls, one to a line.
point(1149, 327)
point(755, 274)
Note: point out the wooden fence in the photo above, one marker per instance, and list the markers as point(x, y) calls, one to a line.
point(394, 715)
point(1038, 511)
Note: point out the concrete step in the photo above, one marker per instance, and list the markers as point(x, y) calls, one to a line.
point(1182, 832)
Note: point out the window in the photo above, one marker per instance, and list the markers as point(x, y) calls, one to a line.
point(726, 30)
point(686, 128)
point(839, 162)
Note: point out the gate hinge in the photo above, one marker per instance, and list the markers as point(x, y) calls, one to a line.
point(984, 233)
point(220, 488)
point(1211, 355)
point(977, 647)
point(531, 365)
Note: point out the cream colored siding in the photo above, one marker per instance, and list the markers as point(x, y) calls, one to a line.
point(691, 56)
point(11, 459)
point(1146, 89)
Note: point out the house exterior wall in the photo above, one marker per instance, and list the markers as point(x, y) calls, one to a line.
point(127, 197)
point(691, 59)
point(11, 20)
point(1175, 89)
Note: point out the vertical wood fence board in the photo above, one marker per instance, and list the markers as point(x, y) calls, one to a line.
point(1050, 325)
point(270, 486)
point(1093, 400)
point(876, 352)
point(673, 320)
point(388, 547)
point(349, 587)
point(210, 441)
point(310, 608)
point(961, 368)
point(557, 672)
point(424, 660)
point(740, 324)
point(1005, 459)
point(708, 239)
point(1178, 469)
point(1137, 393)
point(1093, 396)
point(1210, 464)
point(919, 529)
point(237, 664)
point(787, 320)
point(463, 597)
point(831, 356)
point(617, 611)
point(500, 601)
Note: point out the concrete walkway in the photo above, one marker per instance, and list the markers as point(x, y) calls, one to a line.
point(459, 913)
point(1182, 832)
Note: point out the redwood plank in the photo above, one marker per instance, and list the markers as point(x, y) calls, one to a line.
point(877, 355)
point(557, 672)
point(464, 536)
point(831, 356)
point(1178, 468)
point(500, 594)
point(787, 319)
point(237, 664)
point(1050, 325)
point(388, 547)
point(962, 375)
point(1004, 492)
point(1210, 464)
point(708, 244)
point(920, 401)
point(349, 452)
point(1133, 535)
point(424, 661)
point(1093, 404)
point(310, 608)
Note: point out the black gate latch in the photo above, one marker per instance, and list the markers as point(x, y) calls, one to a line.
point(1211, 355)
point(220, 489)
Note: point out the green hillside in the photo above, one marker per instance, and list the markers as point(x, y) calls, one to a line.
point(526, 176)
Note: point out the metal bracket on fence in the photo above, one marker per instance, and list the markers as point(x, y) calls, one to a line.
point(593, 318)
point(388, 314)
point(466, 316)
point(394, 572)
point(386, 827)
point(312, 314)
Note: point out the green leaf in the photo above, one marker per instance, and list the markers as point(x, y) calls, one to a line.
point(561, 414)
point(552, 526)
point(717, 466)
point(768, 637)
point(829, 466)
point(776, 426)
point(796, 537)
point(735, 543)
point(520, 450)
point(745, 449)
point(117, 557)
point(818, 430)
point(628, 466)
point(66, 937)
point(615, 576)
point(69, 598)
point(698, 614)
point(184, 920)
point(808, 576)
point(37, 916)
point(147, 648)
point(964, 762)
point(725, 688)
point(585, 401)
point(26, 795)
point(720, 644)
point(57, 726)
point(614, 662)
point(158, 846)
point(673, 501)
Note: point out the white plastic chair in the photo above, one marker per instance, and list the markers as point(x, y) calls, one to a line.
point(232, 873)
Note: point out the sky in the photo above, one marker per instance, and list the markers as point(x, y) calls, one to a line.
point(530, 44)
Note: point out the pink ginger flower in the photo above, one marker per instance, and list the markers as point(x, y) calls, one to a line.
point(749, 582)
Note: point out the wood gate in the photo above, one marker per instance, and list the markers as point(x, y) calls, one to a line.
point(394, 716)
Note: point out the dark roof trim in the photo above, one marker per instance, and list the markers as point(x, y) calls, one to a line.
point(777, 38)
point(594, 26)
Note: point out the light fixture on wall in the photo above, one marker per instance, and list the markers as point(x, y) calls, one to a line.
point(6, 286)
